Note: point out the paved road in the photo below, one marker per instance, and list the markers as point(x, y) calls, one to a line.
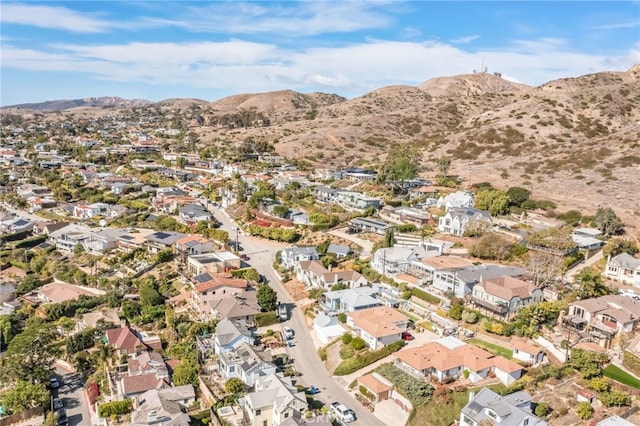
point(72, 393)
point(261, 256)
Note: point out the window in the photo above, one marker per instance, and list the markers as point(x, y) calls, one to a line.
point(286, 415)
point(492, 414)
point(258, 412)
point(265, 423)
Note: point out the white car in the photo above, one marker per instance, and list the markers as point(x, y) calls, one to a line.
point(288, 332)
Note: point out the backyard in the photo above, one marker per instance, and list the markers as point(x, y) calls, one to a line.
point(615, 373)
point(493, 348)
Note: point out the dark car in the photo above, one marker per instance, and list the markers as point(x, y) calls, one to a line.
point(57, 403)
point(62, 417)
point(244, 257)
point(407, 336)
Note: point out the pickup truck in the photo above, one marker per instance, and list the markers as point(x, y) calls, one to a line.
point(343, 413)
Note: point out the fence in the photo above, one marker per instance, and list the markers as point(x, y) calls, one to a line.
point(22, 415)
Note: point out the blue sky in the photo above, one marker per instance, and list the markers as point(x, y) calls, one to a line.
point(208, 50)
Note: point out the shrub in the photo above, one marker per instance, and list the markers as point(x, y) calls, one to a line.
point(584, 410)
point(364, 391)
point(470, 317)
point(615, 397)
point(423, 295)
point(322, 352)
point(351, 365)
point(358, 343)
point(342, 317)
point(115, 408)
point(346, 352)
point(418, 391)
point(266, 318)
point(346, 338)
point(542, 409)
point(599, 384)
point(465, 374)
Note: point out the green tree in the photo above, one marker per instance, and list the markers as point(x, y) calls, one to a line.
point(590, 284)
point(29, 282)
point(267, 297)
point(402, 164)
point(618, 245)
point(25, 395)
point(584, 410)
point(252, 275)
point(599, 384)
point(235, 386)
point(30, 354)
point(615, 398)
point(180, 162)
point(455, 311)
point(149, 295)
point(491, 246)
point(186, 373)
point(494, 201)
point(388, 239)
point(518, 195)
point(608, 222)
point(164, 256)
point(358, 343)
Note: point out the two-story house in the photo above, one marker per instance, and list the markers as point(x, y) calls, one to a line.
point(230, 334)
point(166, 406)
point(274, 401)
point(504, 296)
point(290, 257)
point(624, 268)
point(352, 200)
point(488, 407)
point(460, 281)
point(162, 240)
point(379, 326)
point(313, 274)
point(213, 263)
point(459, 199)
point(84, 211)
point(456, 220)
point(193, 245)
point(193, 213)
point(244, 363)
point(396, 260)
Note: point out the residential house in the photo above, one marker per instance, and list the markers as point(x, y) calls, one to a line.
point(407, 215)
point(16, 225)
point(60, 292)
point(125, 340)
point(35, 204)
point(351, 299)
point(379, 326)
point(274, 400)
point(359, 174)
point(221, 296)
point(460, 281)
point(327, 328)
point(242, 306)
point(147, 362)
point(587, 238)
point(97, 318)
point(527, 352)
point(103, 239)
point(164, 407)
point(456, 220)
point(604, 317)
point(427, 267)
point(504, 296)
point(162, 240)
point(324, 194)
point(395, 260)
point(46, 228)
point(193, 245)
point(624, 268)
point(245, 364)
point(213, 263)
point(340, 251)
point(446, 359)
point(290, 257)
point(193, 213)
point(313, 274)
point(133, 386)
point(365, 224)
point(614, 421)
point(459, 199)
point(352, 200)
point(488, 407)
point(230, 334)
point(427, 191)
point(85, 211)
point(67, 238)
point(133, 239)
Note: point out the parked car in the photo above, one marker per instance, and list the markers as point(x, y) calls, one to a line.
point(54, 383)
point(407, 336)
point(288, 332)
point(62, 417)
point(57, 403)
point(312, 390)
point(343, 413)
point(244, 257)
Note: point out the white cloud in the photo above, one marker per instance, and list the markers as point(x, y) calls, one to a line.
point(464, 40)
point(238, 66)
point(53, 17)
point(621, 25)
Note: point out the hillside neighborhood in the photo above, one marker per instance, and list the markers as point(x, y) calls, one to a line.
point(149, 279)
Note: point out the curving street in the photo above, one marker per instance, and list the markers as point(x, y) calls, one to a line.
point(261, 256)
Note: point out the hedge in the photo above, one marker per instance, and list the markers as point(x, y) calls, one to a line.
point(117, 408)
point(421, 294)
point(266, 318)
point(351, 365)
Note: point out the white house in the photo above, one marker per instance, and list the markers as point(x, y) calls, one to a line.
point(462, 199)
point(624, 268)
point(274, 401)
point(290, 257)
point(456, 219)
point(526, 352)
point(245, 364)
point(488, 407)
point(379, 326)
point(504, 296)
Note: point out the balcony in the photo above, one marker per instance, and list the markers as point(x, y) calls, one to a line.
point(499, 309)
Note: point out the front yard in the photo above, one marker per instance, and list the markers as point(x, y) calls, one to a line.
point(615, 373)
point(493, 348)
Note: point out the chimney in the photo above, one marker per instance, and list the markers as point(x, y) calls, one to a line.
point(472, 395)
point(329, 267)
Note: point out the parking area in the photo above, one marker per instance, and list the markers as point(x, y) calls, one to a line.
point(390, 413)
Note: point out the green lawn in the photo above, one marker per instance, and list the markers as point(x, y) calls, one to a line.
point(494, 349)
point(412, 317)
point(615, 373)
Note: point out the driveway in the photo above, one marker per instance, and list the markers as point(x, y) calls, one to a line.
point(366, 245)
point(71, 391)
point(390, 413)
